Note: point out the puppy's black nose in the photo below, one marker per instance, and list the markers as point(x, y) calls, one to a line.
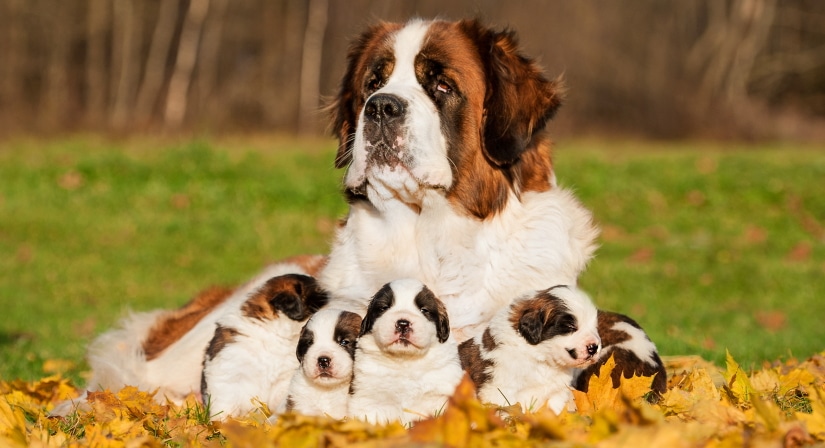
point(592, 349)
point(384, 107)
point(324, 362)
point(402, 326)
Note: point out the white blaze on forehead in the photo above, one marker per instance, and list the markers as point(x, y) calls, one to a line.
point(407, 45)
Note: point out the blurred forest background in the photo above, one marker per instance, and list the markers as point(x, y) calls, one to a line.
point(739, 69)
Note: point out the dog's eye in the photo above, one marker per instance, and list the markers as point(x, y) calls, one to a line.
point(344, 342)
point(443, 87)
point(374, 84)
point(425, 311)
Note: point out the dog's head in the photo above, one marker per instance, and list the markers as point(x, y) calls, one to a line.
point(447, 106)
point(561, 322)
point(294, 295)
point(405, 318)
point(326, 347)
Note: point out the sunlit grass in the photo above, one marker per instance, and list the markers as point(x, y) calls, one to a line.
point(707, 246)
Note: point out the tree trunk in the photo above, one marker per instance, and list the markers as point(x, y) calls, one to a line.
point(176, 99)
point(155, 72)
point(127, 45)
point(311, 59)
point(97, 23)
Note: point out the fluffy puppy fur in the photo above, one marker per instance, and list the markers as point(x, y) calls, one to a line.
point(251, 355)
point(163, 350)
point(326, 350)
point(529, 352)
point(406, 363)
point(634, 353)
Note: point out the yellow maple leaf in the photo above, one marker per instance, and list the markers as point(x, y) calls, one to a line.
point(736, 382)
point(601, 394)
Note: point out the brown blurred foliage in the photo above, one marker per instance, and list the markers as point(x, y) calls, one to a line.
point(708, 68)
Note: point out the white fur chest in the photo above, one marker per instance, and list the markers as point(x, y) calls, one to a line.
point(474, 266)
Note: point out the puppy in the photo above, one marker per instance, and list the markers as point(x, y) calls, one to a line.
point(251, 355)
point(326, 349)
point(530, 350)
point(633, 351)
point(406, 363)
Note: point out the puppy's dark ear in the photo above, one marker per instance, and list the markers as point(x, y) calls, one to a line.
point(531, 325)
point(304, 342)
point(519, 99)
point(297, 296)
point(437, 313)
point(380, 302)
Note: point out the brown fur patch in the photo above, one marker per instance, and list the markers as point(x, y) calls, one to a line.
point(488, 341)
point(473, 363)
point(172, 325)
point(290, 403)
point(222, 337)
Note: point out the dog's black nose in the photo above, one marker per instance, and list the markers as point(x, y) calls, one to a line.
point(592, 349)
point(384, 107)
point(324, 362)
point(402, 326)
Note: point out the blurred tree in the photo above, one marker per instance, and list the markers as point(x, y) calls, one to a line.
point(737, 68)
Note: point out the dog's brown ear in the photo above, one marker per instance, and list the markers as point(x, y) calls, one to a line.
point(531, 325)
point(519, 99)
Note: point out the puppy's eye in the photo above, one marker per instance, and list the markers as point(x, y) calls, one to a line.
point(344, 342)
point(425, 311)
point(443, 87)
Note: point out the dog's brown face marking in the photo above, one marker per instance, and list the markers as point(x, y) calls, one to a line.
point(173, 325)
point(296, 296)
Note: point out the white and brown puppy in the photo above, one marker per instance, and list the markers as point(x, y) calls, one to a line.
point(531, 350)
point(406, 363)
point(326, 350)
point(252, 353)
point(449, 176)
point(163, 350)
point(635, 354)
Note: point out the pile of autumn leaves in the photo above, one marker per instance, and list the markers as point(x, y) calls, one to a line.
point(782, 404)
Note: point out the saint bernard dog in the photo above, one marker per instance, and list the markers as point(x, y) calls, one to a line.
point(250, 359)
point(449, 175)
point(635, 354)
point(531, 349)
point(326, 350)
point(164, 350)
point(406, 363)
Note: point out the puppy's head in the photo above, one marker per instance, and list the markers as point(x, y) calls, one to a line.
point(326, 347)
point(296, 296)
point(561, 322)
point(405, 318)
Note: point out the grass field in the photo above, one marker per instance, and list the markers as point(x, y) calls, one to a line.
point(709, 246)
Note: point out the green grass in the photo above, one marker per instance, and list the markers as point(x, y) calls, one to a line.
point(709, 247)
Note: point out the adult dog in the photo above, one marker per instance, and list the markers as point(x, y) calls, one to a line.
point(449, 181)
point(449, 176)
